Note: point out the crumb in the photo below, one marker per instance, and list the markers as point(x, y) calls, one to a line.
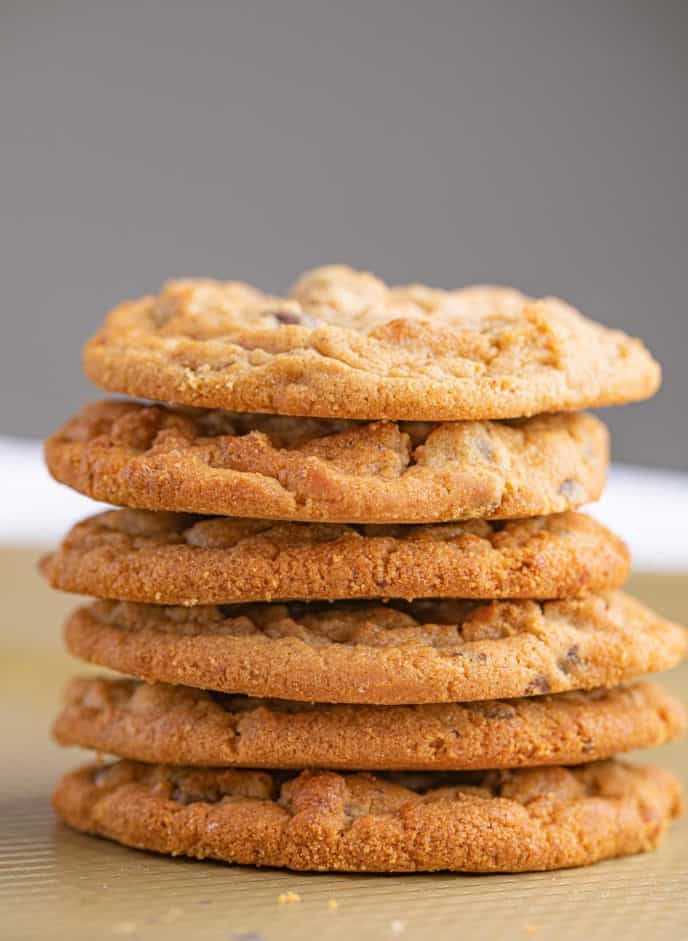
point(288, 898)
point(530, 929)
point(332, 905)
point(397, 926)
point(124, 928)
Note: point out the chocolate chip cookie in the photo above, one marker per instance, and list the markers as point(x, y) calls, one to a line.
point(368, 652)
point(496, 821)
point(343, 344)
point(168, 558)
point(182, 726)
point(315, 470)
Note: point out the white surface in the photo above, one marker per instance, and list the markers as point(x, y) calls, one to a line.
point(34, 510)
point(649, 508)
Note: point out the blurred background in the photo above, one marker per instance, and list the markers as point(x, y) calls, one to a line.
point(539, 144)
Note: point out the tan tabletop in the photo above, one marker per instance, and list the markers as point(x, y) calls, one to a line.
point(58, 884)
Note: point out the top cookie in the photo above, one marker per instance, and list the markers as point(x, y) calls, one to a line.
point(345, 345)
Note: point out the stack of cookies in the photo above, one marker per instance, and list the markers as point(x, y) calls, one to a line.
point(362, 626)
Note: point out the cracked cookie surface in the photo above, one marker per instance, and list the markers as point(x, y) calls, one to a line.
point(343, 344)
point(167, 558)
point(400, 653)
point(498, 821)
point(279, 468)
point(182, 726)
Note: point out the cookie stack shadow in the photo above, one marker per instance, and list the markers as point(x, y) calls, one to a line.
point(360, 622)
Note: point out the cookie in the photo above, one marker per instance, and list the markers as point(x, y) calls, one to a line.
point(167, 558)
point(177, 725)
point(344, 345)
point(496, 821)
point(272, 467)
point(358, 652)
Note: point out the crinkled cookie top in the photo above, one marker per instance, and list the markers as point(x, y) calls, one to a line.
point(343, 344)
point(499, 821)
point(276, 467)
point(446, 650)
point(168, 558)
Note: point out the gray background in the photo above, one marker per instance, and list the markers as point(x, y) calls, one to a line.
point(539, 144)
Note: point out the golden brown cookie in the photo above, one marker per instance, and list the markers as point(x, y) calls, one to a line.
point(426, 651)
point(495, 821)
point(345, 345)
point(182, 726)
point(168, 558)
point(272, 467)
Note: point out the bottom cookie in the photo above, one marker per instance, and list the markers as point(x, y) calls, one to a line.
point(495, 821)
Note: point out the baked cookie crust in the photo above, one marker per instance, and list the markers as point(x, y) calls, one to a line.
point(358, 652)
point(499, 821)
point(168, 558)
point(343, 344)
point(178, 725)
point(314, 470)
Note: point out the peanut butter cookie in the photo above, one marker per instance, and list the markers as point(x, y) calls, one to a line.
point(495, 821)
point(345, 345)
point(315, 470)
point(359, 652)
point(168, 558)
point(178, 725)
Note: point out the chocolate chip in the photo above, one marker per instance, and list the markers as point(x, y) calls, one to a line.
point(539, 684)
point(286, 316)
point(190, 795)
point(498, 710)
point(180, 796)
point(571, 660)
